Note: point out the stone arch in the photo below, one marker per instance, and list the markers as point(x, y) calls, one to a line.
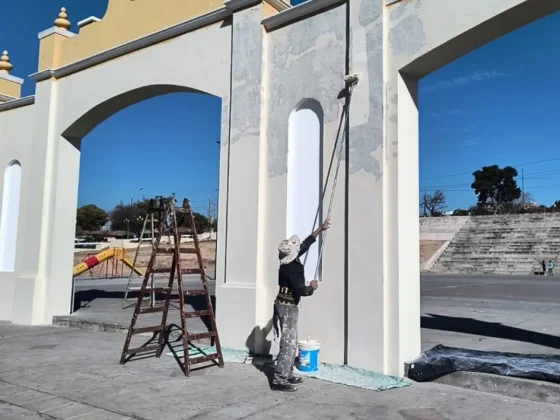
point(9, 216)
point(101, 112)
point(437, 41)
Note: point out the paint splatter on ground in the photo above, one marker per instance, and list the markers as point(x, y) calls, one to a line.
point(345, 375)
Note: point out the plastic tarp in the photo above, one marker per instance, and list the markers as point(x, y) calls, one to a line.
point(345, 375)
point(442, 360)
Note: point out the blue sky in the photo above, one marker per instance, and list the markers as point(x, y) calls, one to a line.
point(497, 105)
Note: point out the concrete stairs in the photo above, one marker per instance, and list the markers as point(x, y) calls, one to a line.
point(510, 244)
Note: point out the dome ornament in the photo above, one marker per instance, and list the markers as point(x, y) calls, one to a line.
point(5, 65)
point(62, 21)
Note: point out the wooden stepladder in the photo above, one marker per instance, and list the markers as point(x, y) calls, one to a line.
point(168, 223)
point(154, 213)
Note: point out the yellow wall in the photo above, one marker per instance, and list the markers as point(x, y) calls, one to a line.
point(269, 10)
point(10, 88)
point(124, 21)
point(49, 51)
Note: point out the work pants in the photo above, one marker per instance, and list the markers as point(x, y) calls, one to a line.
point(286, 317)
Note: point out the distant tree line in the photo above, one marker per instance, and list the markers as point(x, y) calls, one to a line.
point(129, 218)
point(497, 193)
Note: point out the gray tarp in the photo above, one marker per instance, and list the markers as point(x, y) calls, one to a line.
point(442, 360)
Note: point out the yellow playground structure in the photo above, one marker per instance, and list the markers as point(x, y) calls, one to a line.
point(106, 254)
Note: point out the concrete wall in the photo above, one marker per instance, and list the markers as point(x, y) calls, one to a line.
point(441, 228)
point(367, 309)
point(65, 111)
point(15, 141)
point(305, 60)
point(236, 291)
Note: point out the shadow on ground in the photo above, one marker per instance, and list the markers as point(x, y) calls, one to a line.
point(262, 357)
point(488, 329)
point(198, 303)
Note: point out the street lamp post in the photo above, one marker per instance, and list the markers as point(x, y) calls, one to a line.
point(127, 227)
point(132, 194)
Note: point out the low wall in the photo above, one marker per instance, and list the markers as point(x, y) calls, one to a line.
point(441, 228)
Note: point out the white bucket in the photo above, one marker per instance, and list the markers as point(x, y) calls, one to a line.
point(309, 355)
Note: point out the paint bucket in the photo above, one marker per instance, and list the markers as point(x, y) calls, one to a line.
point(309, 355)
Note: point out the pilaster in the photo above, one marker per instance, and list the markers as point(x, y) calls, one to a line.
point(239, 283)
point(50, 42)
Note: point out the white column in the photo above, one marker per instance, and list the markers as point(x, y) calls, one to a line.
point(31, 291)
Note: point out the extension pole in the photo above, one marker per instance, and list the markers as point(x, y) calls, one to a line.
point(351, 82)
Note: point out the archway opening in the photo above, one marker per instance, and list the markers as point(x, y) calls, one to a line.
point(9, 215)
point(305, 175)
point(489, 167)
point(154, 141)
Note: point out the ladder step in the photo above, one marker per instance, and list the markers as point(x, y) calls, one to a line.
point(144, 349)
point(183, 270)
point(202, 359)
point(171, 250)
point(198, 314)
point(200, 336)
point(151, 310)
point(197, 292)
point(156, 289)
point(142, 330)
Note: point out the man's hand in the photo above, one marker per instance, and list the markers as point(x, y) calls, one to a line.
point(314, 284)
point(326, 224)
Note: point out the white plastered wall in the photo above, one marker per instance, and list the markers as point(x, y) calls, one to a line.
point(198, 60)
point(301, 60)
point(15, 144)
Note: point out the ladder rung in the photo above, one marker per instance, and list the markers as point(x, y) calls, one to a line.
point(200, 336)
point(171, 250)
point(144, 349)
point(156, 289)
point(196, 292)
point(202, 359)
point(183, 270)
point(198, 314)
point(142, 330)
point(152, 310)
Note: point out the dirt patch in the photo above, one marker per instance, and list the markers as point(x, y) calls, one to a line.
point(115, 268)
point(428, 249)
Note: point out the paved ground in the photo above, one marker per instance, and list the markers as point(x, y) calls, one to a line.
point(501, 313)
point(540, 289)
point(101, 302)
point(65, 373)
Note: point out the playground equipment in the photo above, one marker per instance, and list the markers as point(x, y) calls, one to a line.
point(115, 253)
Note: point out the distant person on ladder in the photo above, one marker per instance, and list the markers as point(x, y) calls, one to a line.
point(291, 280)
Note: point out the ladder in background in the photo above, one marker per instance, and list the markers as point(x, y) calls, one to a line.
point(153, 215)
point(168, 222)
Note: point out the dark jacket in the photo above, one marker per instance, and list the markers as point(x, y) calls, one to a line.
point(292, 276)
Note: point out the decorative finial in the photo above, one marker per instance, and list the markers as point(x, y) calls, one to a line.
point(62, 21)
point(5, 65)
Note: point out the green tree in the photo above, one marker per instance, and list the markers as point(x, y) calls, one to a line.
point(202, 223)
point(496, 187)
point(90, 217)
point(434, 203)
point(129, 217)
point(460, 212)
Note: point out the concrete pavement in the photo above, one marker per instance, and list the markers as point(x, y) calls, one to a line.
point(65, 373)
point(502, 313)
